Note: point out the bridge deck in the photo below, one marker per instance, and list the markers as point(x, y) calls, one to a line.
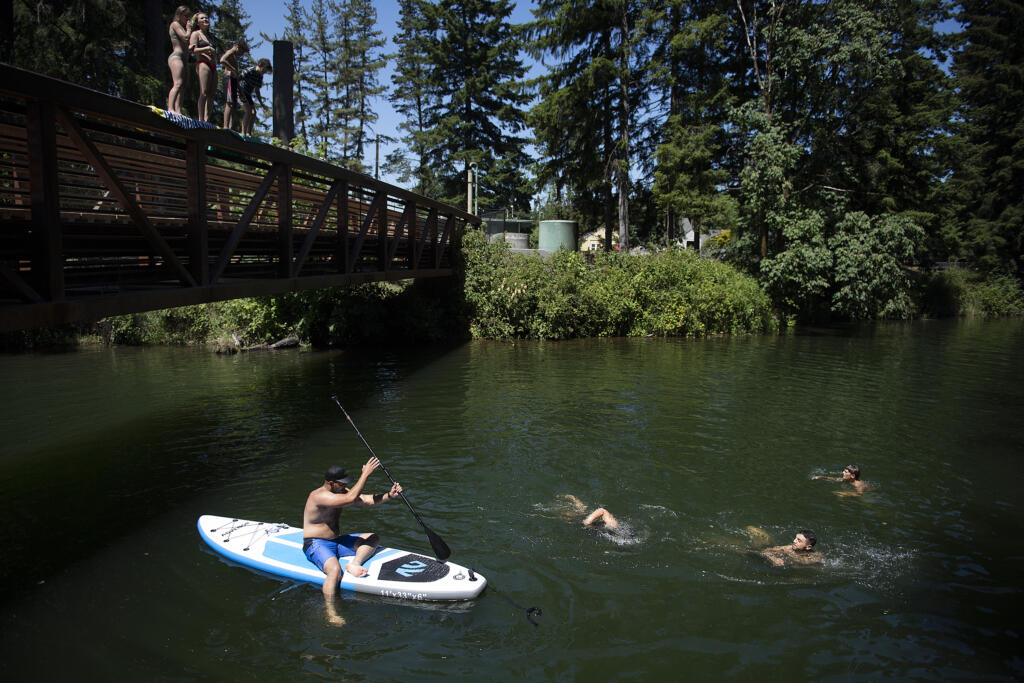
point(106, 207)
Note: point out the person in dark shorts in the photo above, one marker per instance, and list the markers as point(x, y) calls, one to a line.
point(229, 61)
point(322, 541)
point(249, 84)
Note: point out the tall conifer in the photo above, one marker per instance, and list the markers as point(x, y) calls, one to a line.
point(989, 179)
point(478, 80)
point(359, 45)
point(413, 97)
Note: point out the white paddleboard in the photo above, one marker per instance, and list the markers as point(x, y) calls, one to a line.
point(276, 549)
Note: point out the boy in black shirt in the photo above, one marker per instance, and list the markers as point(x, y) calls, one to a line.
point(249, 84)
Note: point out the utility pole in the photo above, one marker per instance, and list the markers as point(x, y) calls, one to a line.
point(470, 180)
point(376, 161)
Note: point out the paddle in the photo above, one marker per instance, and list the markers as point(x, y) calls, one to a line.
point(441, 549)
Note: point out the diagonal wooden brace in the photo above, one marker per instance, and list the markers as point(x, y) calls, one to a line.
point(106, 173)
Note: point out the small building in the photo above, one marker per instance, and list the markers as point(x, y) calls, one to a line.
point(594, 240)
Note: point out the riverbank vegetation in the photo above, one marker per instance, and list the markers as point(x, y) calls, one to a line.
point(504, 295)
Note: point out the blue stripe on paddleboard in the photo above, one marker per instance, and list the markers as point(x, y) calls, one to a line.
point(254, 561)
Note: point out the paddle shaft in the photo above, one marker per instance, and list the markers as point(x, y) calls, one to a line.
point(436, 542)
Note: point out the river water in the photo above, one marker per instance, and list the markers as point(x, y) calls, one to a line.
point(108, 456)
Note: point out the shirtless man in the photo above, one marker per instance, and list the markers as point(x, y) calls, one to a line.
point(851, 475)
point(801, 551)
point(323, 543)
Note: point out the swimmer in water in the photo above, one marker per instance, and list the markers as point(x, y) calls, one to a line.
point(800, 552)
point(851, 476)
point(599, 518)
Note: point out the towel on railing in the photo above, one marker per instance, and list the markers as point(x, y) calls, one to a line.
point(182, 120)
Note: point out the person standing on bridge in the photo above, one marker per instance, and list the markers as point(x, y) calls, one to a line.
point(206, 65)
point(249, 84)
point(229, 60)
point(179, 36)
point(322, 541)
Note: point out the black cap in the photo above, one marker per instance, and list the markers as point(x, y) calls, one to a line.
point(338, 474)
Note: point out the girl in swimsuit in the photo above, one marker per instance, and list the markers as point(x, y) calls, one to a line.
point(204, 52)
point(176, 61)
point(229, 60)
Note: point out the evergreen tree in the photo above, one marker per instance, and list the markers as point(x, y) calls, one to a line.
point(323, 64)
point(589, 101)
point(413, 97)
point(356, 81)
point(690, 68)
point(479, 117)
point(296, 32)
point(989, 181)
point(100, 44)
point(232, 25)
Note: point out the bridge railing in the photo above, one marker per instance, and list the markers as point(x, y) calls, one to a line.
point(108, 207)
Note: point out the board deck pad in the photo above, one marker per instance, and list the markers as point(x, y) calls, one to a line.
point(276, 549)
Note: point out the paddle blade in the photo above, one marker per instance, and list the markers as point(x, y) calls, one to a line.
point(441, 550)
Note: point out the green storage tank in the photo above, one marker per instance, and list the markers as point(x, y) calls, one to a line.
point(555, 234)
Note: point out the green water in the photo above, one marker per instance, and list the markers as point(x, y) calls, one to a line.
point(108, 456)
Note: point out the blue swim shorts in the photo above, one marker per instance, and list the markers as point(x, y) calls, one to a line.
point(319, 550)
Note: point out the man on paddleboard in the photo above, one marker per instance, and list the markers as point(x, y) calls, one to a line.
point(322, 542)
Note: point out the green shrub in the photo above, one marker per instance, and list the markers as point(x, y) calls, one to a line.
point(964, 293)
point(669, 293)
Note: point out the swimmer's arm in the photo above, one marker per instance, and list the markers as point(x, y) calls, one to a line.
point(825, 477)
point(775, 555)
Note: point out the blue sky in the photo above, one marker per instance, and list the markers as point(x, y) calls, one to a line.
point(268, 17)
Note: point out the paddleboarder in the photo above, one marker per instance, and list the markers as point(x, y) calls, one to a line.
point(323, 542)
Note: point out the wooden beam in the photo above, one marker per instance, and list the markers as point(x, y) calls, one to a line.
point(20, 286)
point(106, 173)
point(284, 222)
point(341, 248)
point(439, 246)
point(408, 215)
point(382, 238)
point(236, 234)
point(198, 227)
point(413, 231)
point(429, 229)
point(47, 249)
point(314, 229)
point(379, 202)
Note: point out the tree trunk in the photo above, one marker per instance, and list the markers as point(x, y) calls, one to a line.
point(7, 31)
point(623, 146)
point(156, 40)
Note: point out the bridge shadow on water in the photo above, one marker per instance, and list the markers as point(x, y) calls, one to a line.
point(113, 438)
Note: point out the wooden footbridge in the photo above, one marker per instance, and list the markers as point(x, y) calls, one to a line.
point(107, 207)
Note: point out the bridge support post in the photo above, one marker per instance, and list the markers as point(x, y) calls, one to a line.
point(47, 241)
point(341, 249)
point(284, 221)
point(198, 230)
